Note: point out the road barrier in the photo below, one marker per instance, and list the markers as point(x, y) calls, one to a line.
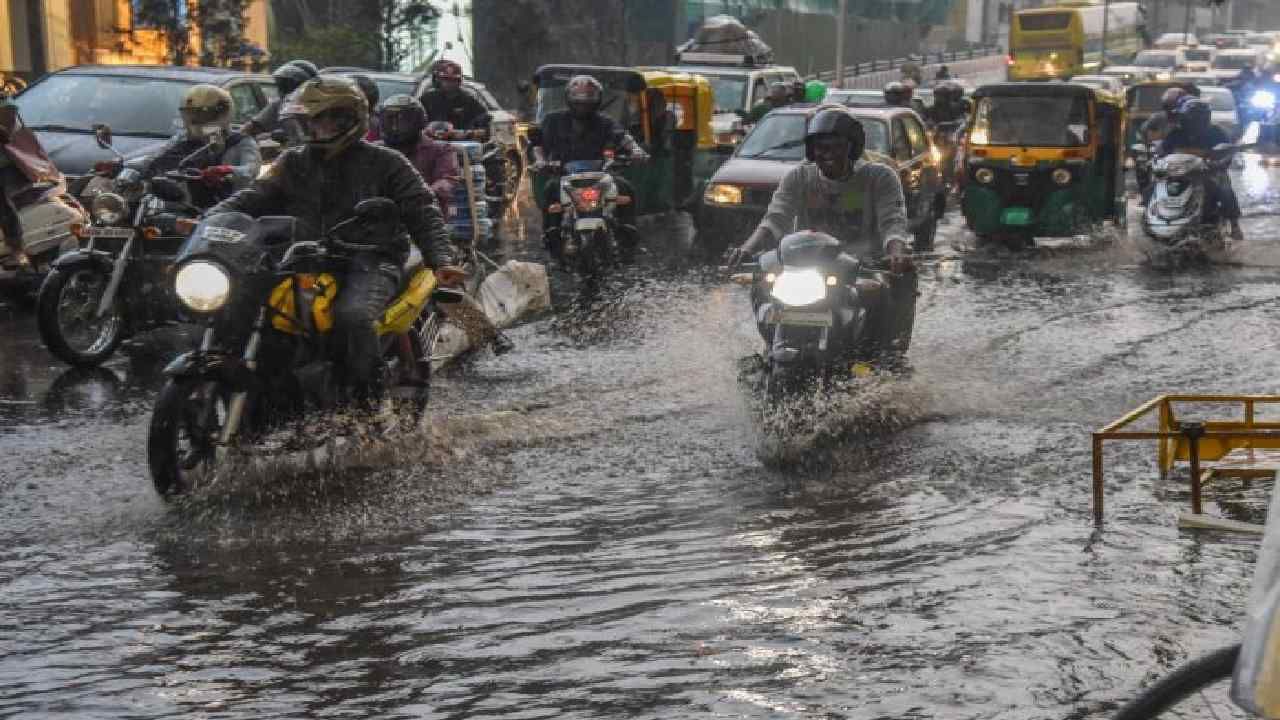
point(875, 73)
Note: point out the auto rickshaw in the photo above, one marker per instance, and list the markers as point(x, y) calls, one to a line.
point(1143, 100)
point(685, 156)
point(1043, 159)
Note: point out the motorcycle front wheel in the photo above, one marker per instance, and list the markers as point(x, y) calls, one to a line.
point(182, 441)
point(67, 316)
point(1199, 689)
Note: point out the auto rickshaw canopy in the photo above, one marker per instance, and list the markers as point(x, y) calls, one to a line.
point(620, 84)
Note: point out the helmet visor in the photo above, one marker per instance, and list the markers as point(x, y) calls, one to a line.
point(204, 115)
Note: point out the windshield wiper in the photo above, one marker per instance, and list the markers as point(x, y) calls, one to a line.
point(58, 128)
point(781, 146)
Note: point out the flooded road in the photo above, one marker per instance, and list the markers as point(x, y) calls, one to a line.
point(599, 524)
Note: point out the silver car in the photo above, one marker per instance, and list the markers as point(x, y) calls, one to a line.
point(1223, 105)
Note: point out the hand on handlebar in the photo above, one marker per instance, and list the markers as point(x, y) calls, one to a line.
point(900, 260)
point(734, 257)
point(214, 175)
point(451, 275)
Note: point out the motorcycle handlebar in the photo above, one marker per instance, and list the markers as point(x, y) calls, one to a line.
point(184, 175)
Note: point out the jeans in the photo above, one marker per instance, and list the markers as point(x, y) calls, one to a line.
point(367, 287)
point(1223, 196)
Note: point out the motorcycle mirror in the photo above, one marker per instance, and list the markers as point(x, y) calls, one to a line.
point(166, 189)
point(378, 209)
point(102, 133)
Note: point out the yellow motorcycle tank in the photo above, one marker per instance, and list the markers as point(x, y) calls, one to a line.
point(399, 316)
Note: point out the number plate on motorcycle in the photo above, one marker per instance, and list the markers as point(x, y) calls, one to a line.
point(802, 318)
point(109, 232)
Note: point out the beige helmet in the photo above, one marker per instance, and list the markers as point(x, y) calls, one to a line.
point(333, 96)
point(207, 109)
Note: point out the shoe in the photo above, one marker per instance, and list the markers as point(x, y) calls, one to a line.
point(502, 344)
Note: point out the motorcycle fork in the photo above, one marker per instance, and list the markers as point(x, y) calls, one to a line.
point(117, 276)
point(235, 410)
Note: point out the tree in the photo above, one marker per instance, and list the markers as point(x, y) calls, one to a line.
point(218, 23)
point(313, 25)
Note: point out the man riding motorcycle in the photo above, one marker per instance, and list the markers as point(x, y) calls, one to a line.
point(447, 101)
point(320, 185)
point(1195, 133)
point(902, 94)
point(779, 96)
point(371, 96)
point(288, 78)
point(206, 112)
point(838, 192)
point(583, 133)
point(948, 104)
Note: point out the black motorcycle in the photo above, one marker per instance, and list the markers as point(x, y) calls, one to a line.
point(266, 304)
point(589, 227)
point(815, 307)
point(115, 286)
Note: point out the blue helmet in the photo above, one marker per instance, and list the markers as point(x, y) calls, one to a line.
point(1193, 114)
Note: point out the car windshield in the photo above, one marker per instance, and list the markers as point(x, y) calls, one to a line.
point(730, 92)
point(776, 137)
point(1233, 62)
point(387, 88)
point(1198, 55)
point(130, 105)
point(1155, 59)
point(1031, 121)
point(1219, 100)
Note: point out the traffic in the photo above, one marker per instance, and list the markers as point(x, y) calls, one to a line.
point(696, 389)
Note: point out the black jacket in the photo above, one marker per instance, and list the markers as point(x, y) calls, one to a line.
point(321, 192)
point(463, 110)
point(564, 141)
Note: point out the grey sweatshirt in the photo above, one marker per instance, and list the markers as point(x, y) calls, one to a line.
point(864, 211)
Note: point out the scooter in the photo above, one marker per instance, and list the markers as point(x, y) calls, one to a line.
point(589, 199)
point(1179, 222)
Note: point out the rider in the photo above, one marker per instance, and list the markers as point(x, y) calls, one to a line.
point(583, 133)
point(371, 95)
point(779, 96)
point(1195, 132)
point(901, 93)
point(948, 103)
point(861, 202)
point(230, 160)
point(404, 128)
point(288, 78)
point(320, 185)
point(12, 179)
point(447, 101)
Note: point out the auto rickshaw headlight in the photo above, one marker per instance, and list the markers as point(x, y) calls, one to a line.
point(986, 176)
point(721, 194)
point(109, 208)
point(1062, 176)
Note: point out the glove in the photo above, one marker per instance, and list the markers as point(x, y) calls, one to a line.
point(214, 175)
point(735, 256)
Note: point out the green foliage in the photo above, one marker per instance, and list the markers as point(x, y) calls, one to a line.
point(368, 33)
point(326, 46)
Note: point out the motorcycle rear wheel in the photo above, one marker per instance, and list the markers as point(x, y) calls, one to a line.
point(1199, 689)
point(65, 314)
point(188, 419)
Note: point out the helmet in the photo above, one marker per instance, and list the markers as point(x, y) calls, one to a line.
point(440, 129)
point(206, 109)
point(291, 75)
point(1169, 101)
point(949, 91)
point(369, 88)
point(583, 95)
point(334, 97)
point(835, 121)
point(445, 70)
point(815, 91)
point(779, 92)
point(1193, 114)
point(403, 119)
point(897, 94)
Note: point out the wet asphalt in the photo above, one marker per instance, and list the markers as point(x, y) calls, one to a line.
point(604, 523)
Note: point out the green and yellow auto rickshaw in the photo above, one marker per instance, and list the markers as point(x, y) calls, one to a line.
point(1043, 159)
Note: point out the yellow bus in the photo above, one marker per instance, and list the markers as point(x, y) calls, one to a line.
point(1064, 40)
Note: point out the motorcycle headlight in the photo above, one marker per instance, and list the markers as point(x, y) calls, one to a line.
point(1263, 100)
point(129, 184)
point(986, 176)
point(719, 194)
point(109, 208)
point(799, 287)
point(1062, 176)
point(202, 286)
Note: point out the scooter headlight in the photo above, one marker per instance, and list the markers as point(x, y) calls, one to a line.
point(986, 176)
point(799, 287)
point(1263, 100)
point(109, 208)
point(202, 286)
point(1062, 176)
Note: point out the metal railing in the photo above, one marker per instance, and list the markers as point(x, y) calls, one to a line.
point(938, 58)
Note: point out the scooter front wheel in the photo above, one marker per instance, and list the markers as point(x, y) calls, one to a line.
point(68, 319)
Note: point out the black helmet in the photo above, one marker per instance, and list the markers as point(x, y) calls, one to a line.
point(949, 91)
point(369, 88)
point(307, 66)
point(583, 94)
point(897, 94)
point(1193, 114)
point(290, 76)
point(402, 118)
point(1169, 101)
point(835, 121)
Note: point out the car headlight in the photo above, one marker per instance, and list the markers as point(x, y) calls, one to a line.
point(1263, 100)
point(719, 194)
point(202, 286)
point(986, 176)
point(108, 208)
point(728, 137)
point(1062, 176)
point(799, 287)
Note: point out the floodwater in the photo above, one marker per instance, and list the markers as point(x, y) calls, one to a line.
point(603, 524)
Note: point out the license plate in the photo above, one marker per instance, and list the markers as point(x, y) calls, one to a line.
point(802, 318)
point(1016, 216)
point(109, 232)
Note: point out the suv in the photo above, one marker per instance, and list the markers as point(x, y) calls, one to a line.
point(139, 102)
point(737, 86)
point(1227, 64)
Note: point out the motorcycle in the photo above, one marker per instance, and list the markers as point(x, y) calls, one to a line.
point(266, 302)
point(589, 199)
point(813, 305)
point(109, 290)
point(946, 139)
point(1178, 220)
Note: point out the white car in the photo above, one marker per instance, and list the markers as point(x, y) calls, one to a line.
point(1160, 63)
point(1110, 83)
point(1228, 63)
point(1223, 105)
point(1174, 40)
point(1196, 59)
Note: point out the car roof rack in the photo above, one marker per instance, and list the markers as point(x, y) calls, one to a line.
point(714, 58)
